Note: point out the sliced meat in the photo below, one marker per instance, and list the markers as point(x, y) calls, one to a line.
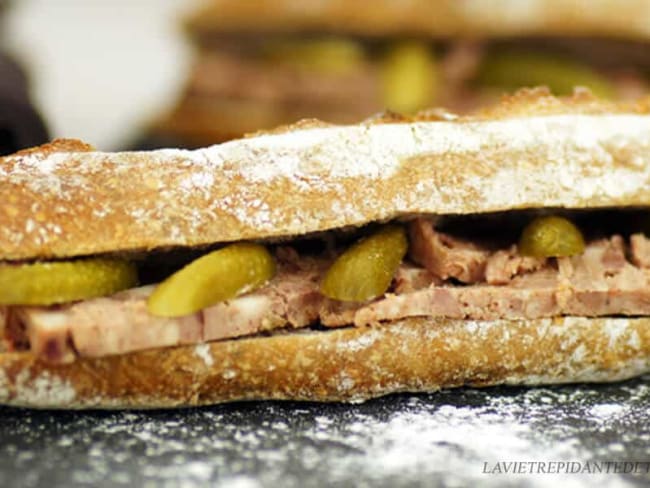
point(603, 282)
point(291, 299)
point(640, 250)
point(480, 302)
point(4, 317)
point(241, 316)
point(503, 265)
point(601, 259)
point(48, 333)
point(131, 327)
point(337, 314)
point(610, 252)
point(487, 302)
point(596, 283)
point(104, 326)
point(445, 256)
point(565, 269)
point(12, 331)
point(297, 297)
point(599, 282)
point(121, 323)
point(409, 278)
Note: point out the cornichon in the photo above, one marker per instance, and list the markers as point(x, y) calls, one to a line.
point(48, 283)
point(551, 236)
point(366, 269)
point(409, 77)
point(334, 56)
point(215, 277)
point(512, 70)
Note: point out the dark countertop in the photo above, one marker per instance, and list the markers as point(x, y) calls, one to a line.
point(449, 438)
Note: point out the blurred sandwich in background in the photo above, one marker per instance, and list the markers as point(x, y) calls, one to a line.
point(264, 63)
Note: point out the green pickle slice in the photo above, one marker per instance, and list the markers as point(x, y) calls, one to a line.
point(409, 77)
point(215, 277)
point(512, 70)
point(365, 270)
point(551, 236)
point(48, 283)
point(328, 56)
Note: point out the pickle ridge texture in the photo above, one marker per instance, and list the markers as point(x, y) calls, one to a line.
point(215, 277)
point(366, 269)
point(49, 283)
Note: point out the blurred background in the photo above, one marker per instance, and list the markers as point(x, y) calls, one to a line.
point(99, 70)
point(150, 73)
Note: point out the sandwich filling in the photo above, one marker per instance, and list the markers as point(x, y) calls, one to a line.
point(241, 84)
point(462, 268)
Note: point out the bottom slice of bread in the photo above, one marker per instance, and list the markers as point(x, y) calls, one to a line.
point(351, 364)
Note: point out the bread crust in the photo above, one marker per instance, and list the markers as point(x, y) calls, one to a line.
point(531, 151)
point(352, 364)
point(575, 153)
point(442, 18)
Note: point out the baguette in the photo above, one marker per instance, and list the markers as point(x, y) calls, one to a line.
point(533, 151)
point(351, 364)
point(442, 18)
point(340, 61)
point(66, 200)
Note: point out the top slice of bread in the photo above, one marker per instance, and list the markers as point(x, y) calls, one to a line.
point(628, 19)
point(532, 151)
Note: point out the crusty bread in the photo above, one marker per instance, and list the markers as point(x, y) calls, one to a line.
point(438, 18)
point(349, 364)
point(531, 151)
point(577, 152)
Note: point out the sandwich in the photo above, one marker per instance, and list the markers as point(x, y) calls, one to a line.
point(264, 63)
point(331, 263)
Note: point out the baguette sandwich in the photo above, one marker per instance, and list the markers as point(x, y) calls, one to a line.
point(331, 263)
point(262, 63)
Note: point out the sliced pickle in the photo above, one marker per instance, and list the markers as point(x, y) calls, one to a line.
point(409, 77)
point(48, 283)
point(215, 277)
point(551, 236)
point(512, 70)
point(366, 269)
point(330, 56)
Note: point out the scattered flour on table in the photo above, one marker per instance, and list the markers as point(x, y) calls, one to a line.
point(445, 438)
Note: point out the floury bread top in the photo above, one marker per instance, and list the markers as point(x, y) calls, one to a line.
point(531, 151)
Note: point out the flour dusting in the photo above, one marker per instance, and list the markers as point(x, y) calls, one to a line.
point(203, 351)
point(451, 438)
point(240, 186)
